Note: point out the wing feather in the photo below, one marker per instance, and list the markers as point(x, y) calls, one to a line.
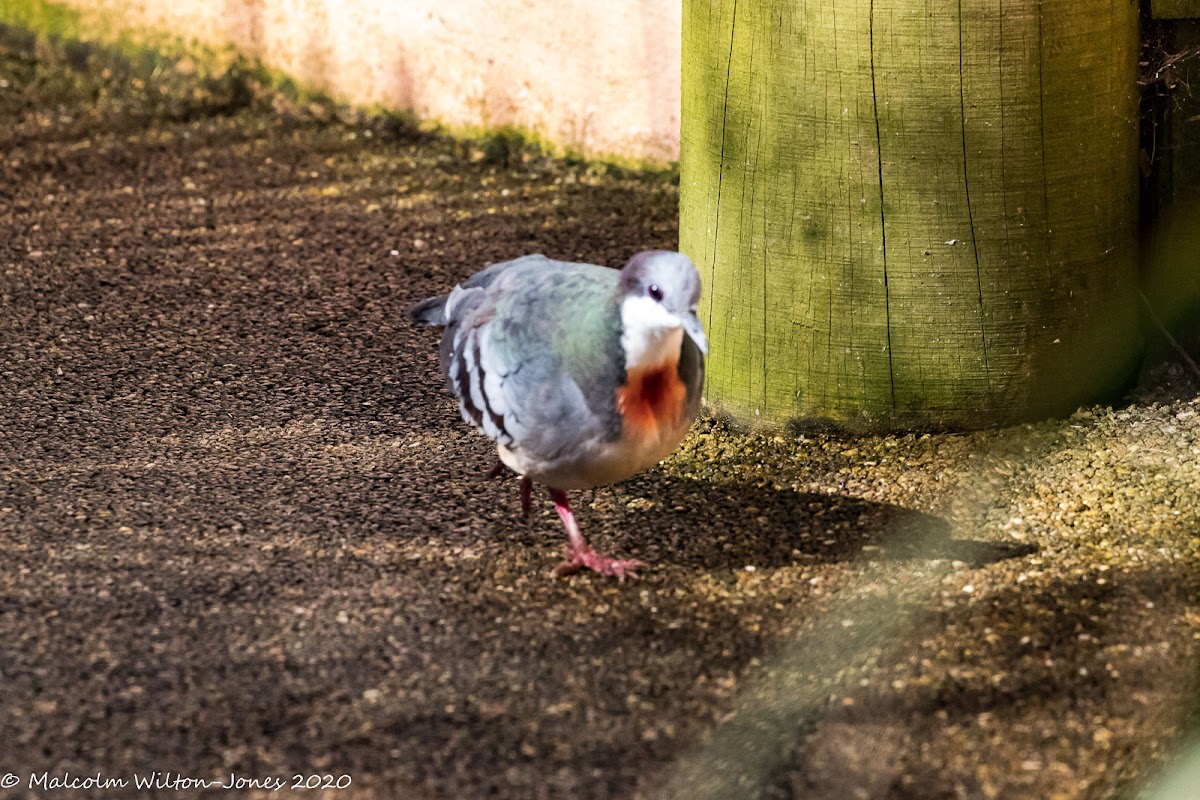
point(532, 351)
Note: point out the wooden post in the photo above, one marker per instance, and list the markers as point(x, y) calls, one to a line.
point(1177, 145)
point(911, 213)
point(1171, 262)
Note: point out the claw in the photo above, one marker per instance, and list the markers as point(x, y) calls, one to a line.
point(580, 555)
point(587, 558)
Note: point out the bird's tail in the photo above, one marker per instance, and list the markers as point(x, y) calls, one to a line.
point(429, 312)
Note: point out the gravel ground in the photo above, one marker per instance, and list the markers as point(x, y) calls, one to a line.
point(243, 530)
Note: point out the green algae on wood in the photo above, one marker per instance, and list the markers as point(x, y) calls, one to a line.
point(1175, 9)
point(911, 214)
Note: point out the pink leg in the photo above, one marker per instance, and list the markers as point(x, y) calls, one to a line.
point(579, 554)
point(501, 470)
point(526, 496)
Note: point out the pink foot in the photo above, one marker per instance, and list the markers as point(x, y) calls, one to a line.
point(580, 555)
point(587, 558)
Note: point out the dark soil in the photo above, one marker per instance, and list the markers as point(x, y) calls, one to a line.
point(243, 529)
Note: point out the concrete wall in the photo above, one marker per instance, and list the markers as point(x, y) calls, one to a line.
point(596, 78)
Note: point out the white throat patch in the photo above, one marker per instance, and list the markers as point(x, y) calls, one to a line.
point(650, 335)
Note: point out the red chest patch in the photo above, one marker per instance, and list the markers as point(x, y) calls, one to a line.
point(651, 398)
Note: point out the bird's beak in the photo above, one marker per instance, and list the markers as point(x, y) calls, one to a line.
point(695, 331)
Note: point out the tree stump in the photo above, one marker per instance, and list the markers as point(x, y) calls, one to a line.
point(911, 214)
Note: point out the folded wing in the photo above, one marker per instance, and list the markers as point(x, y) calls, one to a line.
point(532, 351)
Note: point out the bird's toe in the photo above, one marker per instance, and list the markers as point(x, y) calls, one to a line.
point(579, 560)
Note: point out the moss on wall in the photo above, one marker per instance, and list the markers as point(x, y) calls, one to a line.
point(150, 51)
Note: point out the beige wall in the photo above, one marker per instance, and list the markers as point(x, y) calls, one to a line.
point(596, 77)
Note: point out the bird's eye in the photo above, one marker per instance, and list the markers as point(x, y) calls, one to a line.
point(656, 294)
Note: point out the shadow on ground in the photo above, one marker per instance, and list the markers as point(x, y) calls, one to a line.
point(807, 727)
point(242, 529)
point(714, 525)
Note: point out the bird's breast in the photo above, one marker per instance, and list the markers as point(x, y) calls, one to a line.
point(651, 401)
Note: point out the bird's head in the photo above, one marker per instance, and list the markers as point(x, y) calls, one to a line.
point(659, 293)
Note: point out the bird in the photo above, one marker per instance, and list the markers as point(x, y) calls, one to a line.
point(583, 375)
